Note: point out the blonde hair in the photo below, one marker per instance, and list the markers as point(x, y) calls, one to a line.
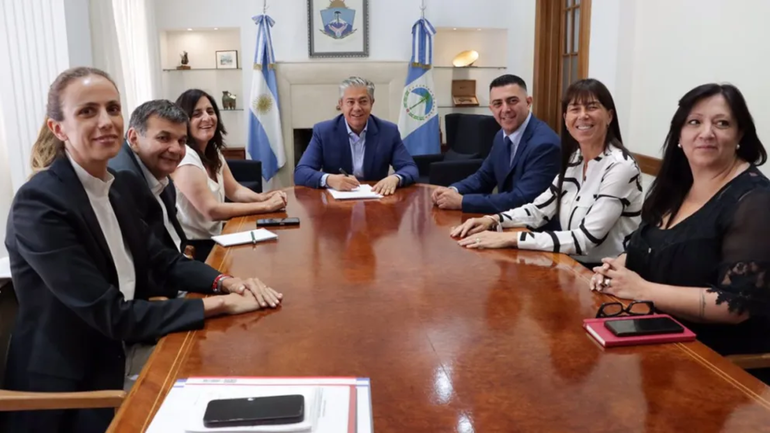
point(48, 147)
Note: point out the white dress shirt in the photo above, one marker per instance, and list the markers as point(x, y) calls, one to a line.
point(516, 135)
point(598, 212)
point(98, 192)
point(157, 187)
point(357, 152)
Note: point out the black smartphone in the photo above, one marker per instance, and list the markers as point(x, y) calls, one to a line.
point(640, 326)
point(281, 409)
point(277, 222)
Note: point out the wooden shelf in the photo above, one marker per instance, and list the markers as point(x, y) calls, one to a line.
point(471, 67)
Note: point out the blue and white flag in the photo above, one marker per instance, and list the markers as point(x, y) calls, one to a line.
point(265, 136)
point(418, 120)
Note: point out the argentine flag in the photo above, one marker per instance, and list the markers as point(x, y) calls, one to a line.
point(418, 119)
point(265, 137)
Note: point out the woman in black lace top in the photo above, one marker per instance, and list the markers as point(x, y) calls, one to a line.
point(702, 252)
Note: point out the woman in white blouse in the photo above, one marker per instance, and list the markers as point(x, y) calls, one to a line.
point(597, 196)
point(204, 180)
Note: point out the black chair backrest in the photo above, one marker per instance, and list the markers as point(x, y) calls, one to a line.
point(470, 133)
point(247, 172)
point(8, 308)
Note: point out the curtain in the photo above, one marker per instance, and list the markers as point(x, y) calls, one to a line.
point(125, 44)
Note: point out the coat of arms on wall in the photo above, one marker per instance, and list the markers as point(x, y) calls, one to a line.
point(338, 28)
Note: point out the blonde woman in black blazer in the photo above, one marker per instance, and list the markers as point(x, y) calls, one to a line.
point(80, 260)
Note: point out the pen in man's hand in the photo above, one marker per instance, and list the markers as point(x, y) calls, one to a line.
point(253, 239)
point(343, 172)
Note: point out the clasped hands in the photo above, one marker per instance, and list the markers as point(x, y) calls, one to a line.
point(275, 200)
point(249, 295)
point(614, 278)
point(447, 198)
point(340, 182)
point(474, 233)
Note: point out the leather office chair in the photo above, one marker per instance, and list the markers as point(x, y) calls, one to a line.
point(469, 138)
point(18, 400)
point(247, 172)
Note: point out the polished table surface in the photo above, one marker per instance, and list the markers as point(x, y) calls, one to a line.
point(453, 340)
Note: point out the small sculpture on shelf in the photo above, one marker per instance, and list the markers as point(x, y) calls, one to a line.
point(228, 100)
point(184, 61)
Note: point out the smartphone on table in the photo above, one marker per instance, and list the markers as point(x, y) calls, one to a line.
point(277, 222)
point(643, 326)
point(255, 411)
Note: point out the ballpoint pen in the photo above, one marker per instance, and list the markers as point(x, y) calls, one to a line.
point(343, 172)
point(253, 239)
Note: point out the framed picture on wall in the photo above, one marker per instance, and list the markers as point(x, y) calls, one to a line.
point(227, 59)
point(338, 28)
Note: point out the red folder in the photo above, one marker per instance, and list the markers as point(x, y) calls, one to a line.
point(596, 328)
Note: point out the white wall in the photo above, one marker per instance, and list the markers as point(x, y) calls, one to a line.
point(665, 48)
point(491, 44)
point(389, 32)
point(390, 24)
point(78, 32)
point(200, 46)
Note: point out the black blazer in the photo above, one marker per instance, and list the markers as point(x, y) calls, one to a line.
point(72, 319)
point(126, 164)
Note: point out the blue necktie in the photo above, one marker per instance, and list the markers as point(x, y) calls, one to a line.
point(511, 150)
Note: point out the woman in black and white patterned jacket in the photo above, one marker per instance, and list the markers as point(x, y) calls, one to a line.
point(597, 196)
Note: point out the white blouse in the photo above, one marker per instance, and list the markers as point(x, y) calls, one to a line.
point(598, 212)
point(196, 226)
point(98, 192)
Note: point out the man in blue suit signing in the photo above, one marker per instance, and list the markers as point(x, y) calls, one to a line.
point(524, 159)
point(358, 144)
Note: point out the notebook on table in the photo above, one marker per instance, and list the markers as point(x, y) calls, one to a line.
point(605, 337)
point(247, 237)
point(361, 192)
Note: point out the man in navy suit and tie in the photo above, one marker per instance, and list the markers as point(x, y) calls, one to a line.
point(356, 146)
point(524, 159)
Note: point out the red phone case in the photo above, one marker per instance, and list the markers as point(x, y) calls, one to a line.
point(596, 328)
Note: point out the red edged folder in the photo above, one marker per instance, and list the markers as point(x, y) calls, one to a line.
point(596, 328)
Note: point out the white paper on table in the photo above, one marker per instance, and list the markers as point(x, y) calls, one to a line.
point(313, 401)
point(5, 268)
point(328, 401)
point(361, 192)
point(241, 238)
point(364, 409)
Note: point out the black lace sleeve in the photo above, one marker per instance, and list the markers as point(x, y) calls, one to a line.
point(744, 272)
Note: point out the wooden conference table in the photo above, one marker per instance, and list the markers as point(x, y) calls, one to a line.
point(453, 340)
